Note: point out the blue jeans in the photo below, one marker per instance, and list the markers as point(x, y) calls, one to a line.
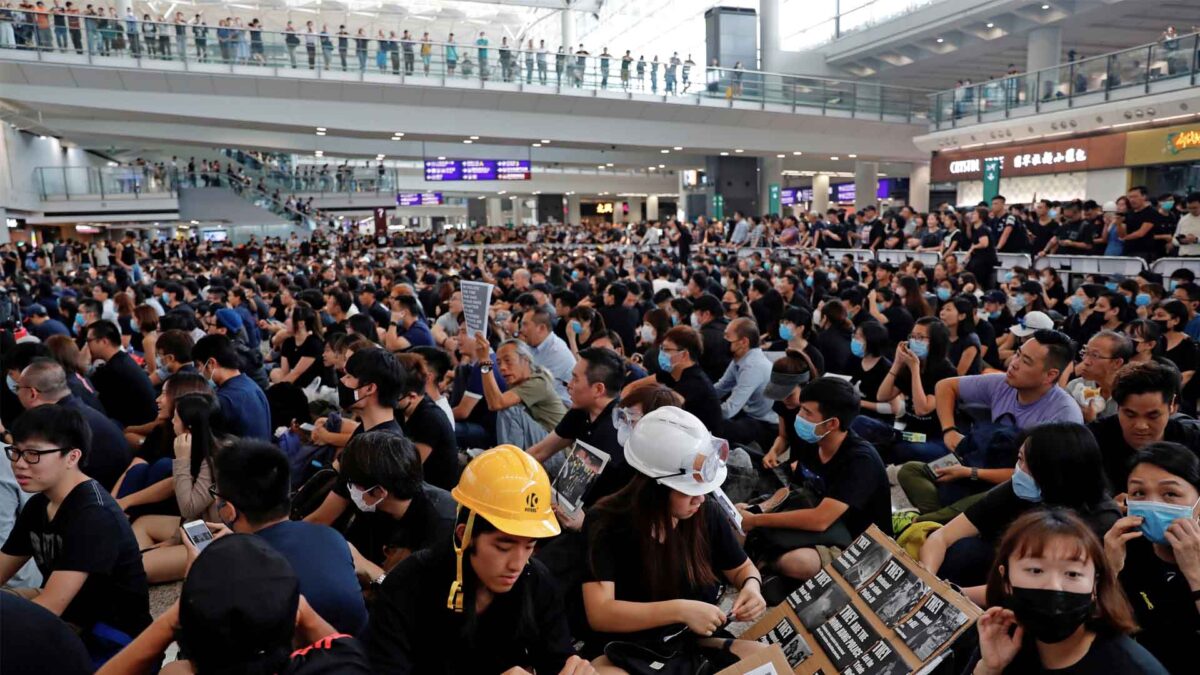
point(471, 435)
point(141, 476)
point(906, 451)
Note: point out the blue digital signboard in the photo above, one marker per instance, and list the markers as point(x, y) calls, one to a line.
point(477, 169)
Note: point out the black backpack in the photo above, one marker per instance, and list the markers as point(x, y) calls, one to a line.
point(988, 445)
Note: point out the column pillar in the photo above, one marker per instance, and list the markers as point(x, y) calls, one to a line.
point(768, 33)
point(568, 31)
point(635, 210)
point(820, 186)
point(517, 211)
point(866, 182)
point(1043, 49)
point(495, 212)
point(4, 236)
point(770, 170)
point(652, 207)
point(574, 216)
point(918, 187)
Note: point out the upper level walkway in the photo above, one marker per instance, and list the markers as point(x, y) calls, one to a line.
point(1155, 68)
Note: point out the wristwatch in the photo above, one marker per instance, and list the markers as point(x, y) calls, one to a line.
point(378, 581)
point(974, 473)
point(485, 367)
point(949, 429)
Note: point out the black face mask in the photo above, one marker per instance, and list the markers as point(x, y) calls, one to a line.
point(1050, 616)
point(1163, 325)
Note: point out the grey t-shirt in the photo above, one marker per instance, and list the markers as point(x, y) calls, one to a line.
point(1055, 405)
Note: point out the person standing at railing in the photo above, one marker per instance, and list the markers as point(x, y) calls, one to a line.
point(482, 43)
point(310, 44)
point(149, 33)
point(164, 38)
point(451, 52)
point(626, 62)
point(257, 54)
point(541, 61)
point(654, 75)
point(394, 49)
point(41, 21)
point(605, 58)
point(240, 42)
point(406, 43)
point(687, 70)
point(326, 46)
point(529, 52)
point(200, 38)
point(60, 25)
point(381, 52)
point(360, 49)
point(426, 52)
point(641, 72)
point(560, 63)
point(581, 59)
point(343, 45)
point(506, 67)
point(181, 36)
point(8, 37)
point(223, 39)
point(1171, 46)
point(291, 41)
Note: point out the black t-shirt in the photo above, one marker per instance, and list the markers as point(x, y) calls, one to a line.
point(312, 347)
point(868, 382)
point(125, 390)
point(1186, 356)
point(87, 534)
point(1162, 601)
point(1042, 234)
point(1116, 453)
point(834, 344)
point(623, 320)
point(428, 521)
point(699, 395)
point(429, 425)
point(1079, 231)
point(959, 237)
point(336, 654)
point(391, 427)
point(1142, 247)
point(876, 233)
point(899, 324)
point(618, 554)
point(1017, 242)
point(931, 374)
point(961, 345)
point(109, 455)
point(1107, 655)
point(987, 341)
point(602, 435)
point(854, 476)
point(410, 623)
point(1000, 506)
point(36, 641)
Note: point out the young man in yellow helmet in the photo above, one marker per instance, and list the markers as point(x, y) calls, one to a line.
point(479, 604)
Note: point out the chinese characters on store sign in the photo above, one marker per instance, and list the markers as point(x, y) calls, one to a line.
point(1070, 156)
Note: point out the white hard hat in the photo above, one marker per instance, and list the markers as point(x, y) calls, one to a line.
point(673, 447)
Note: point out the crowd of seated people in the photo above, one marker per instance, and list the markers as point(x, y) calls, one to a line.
point(365, 480)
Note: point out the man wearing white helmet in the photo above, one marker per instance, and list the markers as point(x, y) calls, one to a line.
point(659, 549)
point(842, 473)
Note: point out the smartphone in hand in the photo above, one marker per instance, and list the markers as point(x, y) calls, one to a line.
point(197, 533)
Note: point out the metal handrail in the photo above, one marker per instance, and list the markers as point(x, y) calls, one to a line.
point(1069, 80)
point(121, 40)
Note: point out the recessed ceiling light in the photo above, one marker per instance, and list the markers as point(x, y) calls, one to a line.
point(320, 133)
point(797, 153)
point(320, 128)
point(442, 158)
point(991, 25)
point(599, 166)
point(537, 145)
point(468, 141)
point(834, 158)
point(662, 166)
point(724, 154)
point(1045, 6)
point(678, 147)
point(609, 164)
point(781, 155)
point(852, 156)
point(474, 138)
point(545, 141)
point(739, 150)
point(941, 40)
point(665, 151)
point(398, 133)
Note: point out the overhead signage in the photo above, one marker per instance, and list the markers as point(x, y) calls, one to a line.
point(1164, 145)
point(604, 207)
point(1032, 159)
point(477, 169)
point(841, 192)
point(418, 198)
point(1183, 140)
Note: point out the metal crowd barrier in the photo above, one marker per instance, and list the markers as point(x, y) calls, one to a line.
point(1166, 266)
point(896, 257)
point(1078, 265)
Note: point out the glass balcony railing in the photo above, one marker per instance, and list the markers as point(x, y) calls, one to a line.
point(89, 182)
point(392, 58)
point(1176, 61)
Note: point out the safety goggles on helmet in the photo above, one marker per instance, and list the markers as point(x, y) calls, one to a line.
point(705, 466)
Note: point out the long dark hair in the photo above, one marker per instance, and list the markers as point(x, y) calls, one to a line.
point(914, 300)
point(197, 412)
point(1064, 459)
point(645, 505)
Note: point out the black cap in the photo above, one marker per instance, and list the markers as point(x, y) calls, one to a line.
point(239, 599)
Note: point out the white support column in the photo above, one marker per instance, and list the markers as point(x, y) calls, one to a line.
point(635, 210)
point(918, 187)
point(770, 170)
point(495, 212)
point(652, 207)
point(866, 182)
point(568, 31)
point(4, 235)
point(1043, 49)
point(517, 211)
point(768, 33)
point(820, 186)
point(574, 216)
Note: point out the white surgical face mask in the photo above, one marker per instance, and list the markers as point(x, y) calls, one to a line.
point(357, 496)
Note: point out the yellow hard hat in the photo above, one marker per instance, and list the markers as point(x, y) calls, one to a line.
point(509, 488)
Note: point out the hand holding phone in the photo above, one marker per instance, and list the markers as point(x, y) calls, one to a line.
point(197, 533)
